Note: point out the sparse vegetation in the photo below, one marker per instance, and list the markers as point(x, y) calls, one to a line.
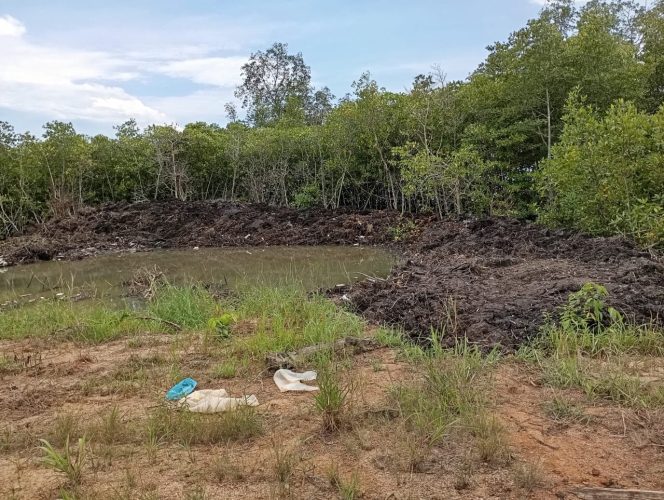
point(187, 429)
point(69, 462)
point(332, 399)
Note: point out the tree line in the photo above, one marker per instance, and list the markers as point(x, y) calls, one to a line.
point(562, 122)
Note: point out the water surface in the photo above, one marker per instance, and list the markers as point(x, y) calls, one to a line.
point(311, 267)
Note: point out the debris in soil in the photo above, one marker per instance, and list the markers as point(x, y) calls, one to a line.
point(145, 282)
point(278, 360)
point(216, 401)
point(287, 380)
point(493, 280)
point(115, 227)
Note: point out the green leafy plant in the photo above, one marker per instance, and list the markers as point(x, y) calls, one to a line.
point(68, 462)
point(221, 325)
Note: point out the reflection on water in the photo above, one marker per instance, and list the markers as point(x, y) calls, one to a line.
point(312, 267)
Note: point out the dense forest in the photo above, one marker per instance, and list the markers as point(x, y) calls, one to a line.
point(562, 122)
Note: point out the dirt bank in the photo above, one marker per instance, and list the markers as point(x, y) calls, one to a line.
point(491, 280)
point(143, 226)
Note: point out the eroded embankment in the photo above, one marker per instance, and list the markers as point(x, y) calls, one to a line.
point(492, 280)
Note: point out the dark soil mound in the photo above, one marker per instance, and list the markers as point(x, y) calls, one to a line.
point(493, 280)
point(172, 224)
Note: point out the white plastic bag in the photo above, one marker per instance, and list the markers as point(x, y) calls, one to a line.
point(288, 380)
point(216, 400)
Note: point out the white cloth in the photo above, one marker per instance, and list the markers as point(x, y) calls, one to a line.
point(288, 380)
point(216, 400)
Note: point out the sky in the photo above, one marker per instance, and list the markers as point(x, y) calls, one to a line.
point(98, 63)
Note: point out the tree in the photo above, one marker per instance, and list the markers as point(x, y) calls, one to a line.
point(607, 173)
point(270, 80)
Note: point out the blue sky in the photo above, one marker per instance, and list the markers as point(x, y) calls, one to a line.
point(174, 61)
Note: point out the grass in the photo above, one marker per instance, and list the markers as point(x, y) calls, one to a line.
point(287, 320)
point(348, 489)
point(179, 426)
point(225, 369)
point(564, 411)
point(589, 348)
point(68, 462)
point(332, 399)
point(527, 477)
point(450, 393)
point(190, 307)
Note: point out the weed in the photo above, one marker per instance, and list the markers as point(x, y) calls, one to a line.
point(221, 325)
point(527, 476)
point(331, 399)
point(186, 428)
point(450, 394)
point(69, 463)
point(403, 230)
point(197, 493)
point(284, 463)
point(189, 307)
point(66, 426)
point(287, 319)
point(8, 365)
point(227, 369)
point(463, 475)
point(389, 337)
point(490, 439)
point(564, 411)
point(348, 489)
point(110, 429)
point(224, 469)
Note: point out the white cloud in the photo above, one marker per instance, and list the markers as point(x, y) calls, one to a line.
point(60, 82)
point(217, 71)
point(10, 26)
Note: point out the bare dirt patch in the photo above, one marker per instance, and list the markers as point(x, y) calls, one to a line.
point(371, 453)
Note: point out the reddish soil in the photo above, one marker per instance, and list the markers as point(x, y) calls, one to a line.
point(491, 280)
point(618, 447)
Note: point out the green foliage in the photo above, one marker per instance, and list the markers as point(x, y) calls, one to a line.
point(221, 325)
point(606, 174)
point(288, 319)
point(189, 307)
point(452, 148)
point(403, 230)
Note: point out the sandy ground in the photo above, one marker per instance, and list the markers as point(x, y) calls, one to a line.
point(44, 382)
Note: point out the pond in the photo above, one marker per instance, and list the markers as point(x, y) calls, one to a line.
point(310, 267)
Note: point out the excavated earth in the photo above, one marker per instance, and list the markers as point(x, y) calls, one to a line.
point(492, 280)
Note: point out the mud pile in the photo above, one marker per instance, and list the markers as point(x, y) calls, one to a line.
point(493, 280)
point(172, 224)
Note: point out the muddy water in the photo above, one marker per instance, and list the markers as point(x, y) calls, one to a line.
point(311, 267)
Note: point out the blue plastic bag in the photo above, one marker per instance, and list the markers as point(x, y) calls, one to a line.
point(181, 389)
